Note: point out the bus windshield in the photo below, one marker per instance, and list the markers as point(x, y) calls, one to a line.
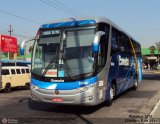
point(64, 51)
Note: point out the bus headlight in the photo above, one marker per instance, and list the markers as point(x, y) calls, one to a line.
point(34, 87)
point(85, 88)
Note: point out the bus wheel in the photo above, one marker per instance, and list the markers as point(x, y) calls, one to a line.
point(27, 86)
point(112, 95)
point(135, 85)
point(7, 88)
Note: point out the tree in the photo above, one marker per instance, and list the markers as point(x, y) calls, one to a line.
point(158, 48)
point(144, 59)
point(30, 49)
point(152, 50)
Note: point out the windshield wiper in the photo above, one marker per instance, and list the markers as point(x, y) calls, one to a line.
point(67, 69)
point(50, 65)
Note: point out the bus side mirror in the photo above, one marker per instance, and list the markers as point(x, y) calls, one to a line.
point(23, 46)
point(95, 44)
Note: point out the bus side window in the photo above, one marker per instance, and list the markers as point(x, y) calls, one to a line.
point(114, 41)
point(5, 72)
point(13, 71)
point(18, 71)
point(102, 52)
point(125, 45)
point(122, 43)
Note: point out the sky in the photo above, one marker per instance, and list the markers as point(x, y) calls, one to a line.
point(139, 18)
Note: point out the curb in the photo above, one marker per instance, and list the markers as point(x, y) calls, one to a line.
point(155, 108)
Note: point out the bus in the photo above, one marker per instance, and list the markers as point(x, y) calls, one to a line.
point(83, 61)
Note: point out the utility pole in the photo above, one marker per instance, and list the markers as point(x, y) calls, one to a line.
point(10, 34)
point(10, 30)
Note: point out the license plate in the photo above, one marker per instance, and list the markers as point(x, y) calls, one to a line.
point(57, 100)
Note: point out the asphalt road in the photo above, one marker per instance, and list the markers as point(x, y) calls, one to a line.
point(16, 107)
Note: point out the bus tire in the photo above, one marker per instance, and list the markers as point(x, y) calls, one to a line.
point(135, 85)
point(27, 86)
point(7, 88)
point(112, 95)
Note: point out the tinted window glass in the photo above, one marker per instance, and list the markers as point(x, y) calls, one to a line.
point(124, 44)
point(27, 71)
point(23, 71)
point(13, 71)
point(102, 53)
point(114, 42)
point(18, 71)
point(5, 72)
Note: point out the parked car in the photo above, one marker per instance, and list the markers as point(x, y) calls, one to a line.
point(15, 76)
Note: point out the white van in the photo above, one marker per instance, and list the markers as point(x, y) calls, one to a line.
point(14, 76)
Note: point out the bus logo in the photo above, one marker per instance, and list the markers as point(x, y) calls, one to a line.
point(57, 92)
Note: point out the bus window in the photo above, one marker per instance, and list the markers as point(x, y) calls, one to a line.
point(27, 71)
point(102, 53)
point(114, 41)
point(103, 49)
point(18, 71)
point(125, 43)
point(5, 72)
point(13, 71)
point(23, 71)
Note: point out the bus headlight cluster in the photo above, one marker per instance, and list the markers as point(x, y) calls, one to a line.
point(85, 88)
point(34, 87)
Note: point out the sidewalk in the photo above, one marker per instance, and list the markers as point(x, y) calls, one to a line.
point(151, 71)
point(156, 111)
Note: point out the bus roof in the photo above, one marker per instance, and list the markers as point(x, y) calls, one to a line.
point(83, 21)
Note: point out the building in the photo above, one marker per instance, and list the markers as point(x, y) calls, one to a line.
point(150, 61)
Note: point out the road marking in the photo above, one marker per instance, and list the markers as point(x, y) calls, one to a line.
point(155, 108)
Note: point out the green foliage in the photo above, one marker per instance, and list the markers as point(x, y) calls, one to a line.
point(152, 50)
point(144, 59)
point(158, 46)
point(30, 49)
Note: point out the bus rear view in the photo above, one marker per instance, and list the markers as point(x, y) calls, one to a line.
point(71, 62)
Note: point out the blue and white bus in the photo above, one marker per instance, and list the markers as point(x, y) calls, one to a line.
point(83, 61)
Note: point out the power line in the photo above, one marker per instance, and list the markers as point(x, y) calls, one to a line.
point(17, 29)
point(64, 7)
point(60, 9)
point(2, 29)
point(20, 17)
point(22, 36)
point(79, 13)
point(15, 34)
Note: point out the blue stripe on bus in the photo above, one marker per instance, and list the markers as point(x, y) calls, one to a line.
point(139, 69)
point(63, 85)
point(67, 24)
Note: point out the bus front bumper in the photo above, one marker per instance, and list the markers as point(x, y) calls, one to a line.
point(81, 96)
